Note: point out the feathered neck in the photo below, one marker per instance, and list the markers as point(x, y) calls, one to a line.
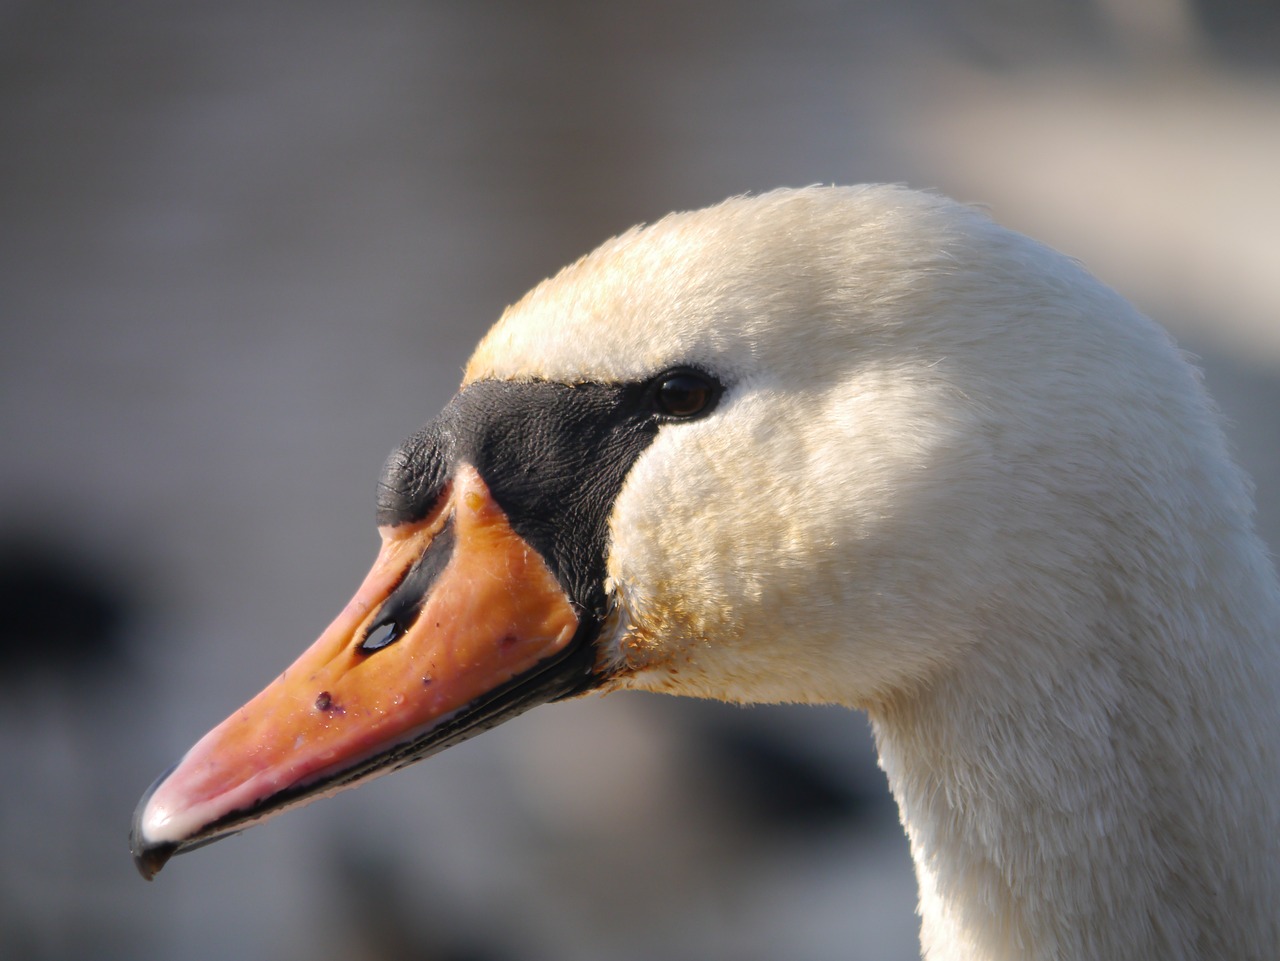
point(1103, 780)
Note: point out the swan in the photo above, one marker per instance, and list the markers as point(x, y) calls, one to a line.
point(850, 445)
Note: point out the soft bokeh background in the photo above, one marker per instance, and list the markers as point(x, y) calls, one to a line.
point(245, 248)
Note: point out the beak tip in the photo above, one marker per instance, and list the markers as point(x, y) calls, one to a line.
point(149, 856)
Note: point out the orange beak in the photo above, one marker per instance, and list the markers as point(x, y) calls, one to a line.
point(460, 624)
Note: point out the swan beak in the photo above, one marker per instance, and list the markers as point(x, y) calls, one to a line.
point(459, 625)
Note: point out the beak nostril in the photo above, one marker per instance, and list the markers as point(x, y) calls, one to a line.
point(400, 610)
point(381, 635)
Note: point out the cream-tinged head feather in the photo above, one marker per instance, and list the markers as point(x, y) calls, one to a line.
point(955, 481)
point(923, 411)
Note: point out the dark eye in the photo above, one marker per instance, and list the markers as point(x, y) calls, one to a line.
point(684, 393)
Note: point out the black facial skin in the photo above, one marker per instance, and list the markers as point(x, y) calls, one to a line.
point(554, 458)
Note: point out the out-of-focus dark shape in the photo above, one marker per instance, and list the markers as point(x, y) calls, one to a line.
point(63, 615)
point(1242, 31)
point(778, 789)
point(385, 916)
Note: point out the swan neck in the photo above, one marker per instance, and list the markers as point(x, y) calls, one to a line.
point(1074, 800)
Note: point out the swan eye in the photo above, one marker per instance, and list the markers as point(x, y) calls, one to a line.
point(684, 393)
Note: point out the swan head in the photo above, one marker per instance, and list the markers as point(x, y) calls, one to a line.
point(920, 418)
point(812, 445)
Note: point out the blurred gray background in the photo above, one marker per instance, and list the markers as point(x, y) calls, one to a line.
point(245, 248)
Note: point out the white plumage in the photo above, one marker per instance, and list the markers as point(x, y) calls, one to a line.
point(957, 483)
